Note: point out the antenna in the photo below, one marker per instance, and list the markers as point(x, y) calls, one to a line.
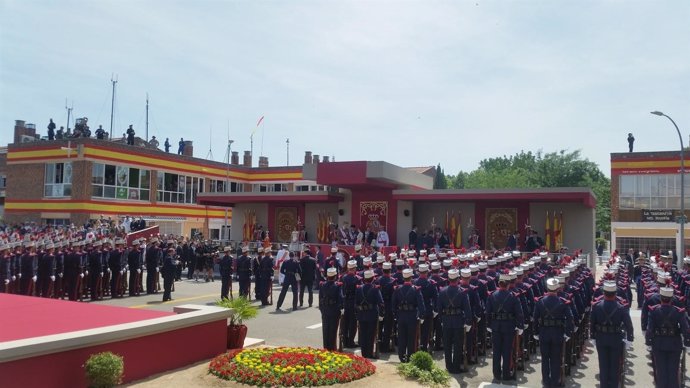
point(287, 145)
point(147, 117)
point(209, 155)
point(69, 113)
point(113, 79)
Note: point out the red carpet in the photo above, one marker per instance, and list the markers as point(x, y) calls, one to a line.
point(25, 317)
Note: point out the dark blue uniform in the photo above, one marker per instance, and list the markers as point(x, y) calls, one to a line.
point(292, 271)
point(387, 287)
point(504, 316)
point(135, 261)
point(430, 296)
point(244, 274)
point(552, 320)
point(168, 273)
point(350, 283)
point(96, 269)
point(266, 274)
point(369, 306)
point(408, 307)
point(666, 325)
point(607, 322)
point(454, 311)
point(225, 267)
point(330, 304)
point(46, 269)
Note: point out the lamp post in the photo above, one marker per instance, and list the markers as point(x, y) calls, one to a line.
point(682, 190)
point(227, 189)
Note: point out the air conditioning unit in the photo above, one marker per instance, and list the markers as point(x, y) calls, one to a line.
point(26, 139)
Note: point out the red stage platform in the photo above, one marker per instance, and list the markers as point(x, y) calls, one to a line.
point(45, 342)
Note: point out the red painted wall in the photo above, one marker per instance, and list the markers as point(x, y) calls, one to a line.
point(480, 217)
point(272, 216)
point(143, 357)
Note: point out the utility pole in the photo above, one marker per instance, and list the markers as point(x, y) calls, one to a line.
point(226, 233)
point(287, 143)
point(113, 79)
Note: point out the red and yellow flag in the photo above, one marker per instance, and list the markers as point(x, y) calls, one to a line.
point(547, 233)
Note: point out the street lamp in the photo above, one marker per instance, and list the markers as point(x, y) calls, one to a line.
point(227, 190)
point(682, 190)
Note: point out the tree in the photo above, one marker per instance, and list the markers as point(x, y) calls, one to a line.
point(555, 169)
point(440, 178)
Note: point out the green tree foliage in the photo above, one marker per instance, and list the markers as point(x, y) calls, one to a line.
point(528, 169)
point(440, 179)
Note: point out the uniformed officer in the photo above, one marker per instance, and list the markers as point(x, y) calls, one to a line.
point(46, 272)
point(5, 269)
point(168, 273)
point(136, 263)
point(225, 267)
point(330, 305)
point(409, 309)
point(606, 320)
point(28, 266)
point(430, 296)
point(308, 267)
point(96, 269)
point(370, 310)
point(553, 325)
point(387, 286)
point(244, 271)
point(256, 272)
point(666, 325)
point(152, 257)
point(350, 282)
point(504, 318)
point(266, 274)
point(456, 320)
point(293, 274)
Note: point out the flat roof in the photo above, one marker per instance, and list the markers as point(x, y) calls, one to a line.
point(582, 195)
point(231, 199)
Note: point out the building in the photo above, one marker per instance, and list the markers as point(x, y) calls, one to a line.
point(77, 180)
point(645, 201)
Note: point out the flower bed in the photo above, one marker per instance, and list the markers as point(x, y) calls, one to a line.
point(295, 367)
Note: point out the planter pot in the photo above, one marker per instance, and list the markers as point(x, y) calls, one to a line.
point(236, 336)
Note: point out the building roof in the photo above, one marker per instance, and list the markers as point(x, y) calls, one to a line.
point(583, 195)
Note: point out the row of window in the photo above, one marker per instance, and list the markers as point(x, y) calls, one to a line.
point(123, 182)
point(651, 191)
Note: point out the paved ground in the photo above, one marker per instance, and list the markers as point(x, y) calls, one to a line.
point(303, 328)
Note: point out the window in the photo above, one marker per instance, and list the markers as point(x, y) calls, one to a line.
point(270, 188)
point(121, 182)
point(58, 180)
point(57, 221)
point(661, 191)
point(3, 181)
point(218, 186)
point(178, 188)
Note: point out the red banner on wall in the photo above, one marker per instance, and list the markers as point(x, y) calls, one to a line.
point(373, 214)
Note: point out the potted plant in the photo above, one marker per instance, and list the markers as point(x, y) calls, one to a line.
point(242, 310)
point(104, 370)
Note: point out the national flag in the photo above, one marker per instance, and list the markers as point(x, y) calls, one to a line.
point(547, 235)
point(453, 230)
point(458, 233)
point(556, 245)
point(261, 120)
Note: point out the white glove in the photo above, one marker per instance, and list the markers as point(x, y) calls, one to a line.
point(34, 278)
point(593, 342)
point(536, 337)
point(469, 327)
point(435, 314)
point(649, 348)
point(60, 274)
point(487, 329)
point(566, 337)
point(342, 311)
point(109, 271)
point(101, 274)
point(271, 278)
point(526, 326)
point(81, 275)
point(519, 331)
point(158, 269)
point(86, 272)
point(139, 270)
point(252, 278)
point(122, 272)
point(19, 275)
point(126, 267)
point(380, 319)
point(575, 330)
point(52, 278)
point(421, 321)
point(14, 278)
point(628, 345)
point(7, 281)
point(479, 319)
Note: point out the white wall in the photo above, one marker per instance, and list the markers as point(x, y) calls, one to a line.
point(579, 223)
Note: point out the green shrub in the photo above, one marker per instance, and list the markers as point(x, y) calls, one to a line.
point(242, 309)
point(422, 360)
point(104, 370)
point(434, 377)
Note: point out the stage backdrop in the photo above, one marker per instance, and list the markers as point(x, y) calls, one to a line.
point(373, 214)
point(500, 223)
point(286, 222)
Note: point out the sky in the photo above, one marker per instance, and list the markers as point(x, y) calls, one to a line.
point(413, 83)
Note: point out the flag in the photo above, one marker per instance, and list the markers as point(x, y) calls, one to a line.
point(560, 231)
point(547, 233)
point(261, 120)
point(458, 234)
point(453, 230)
point(556, 245)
